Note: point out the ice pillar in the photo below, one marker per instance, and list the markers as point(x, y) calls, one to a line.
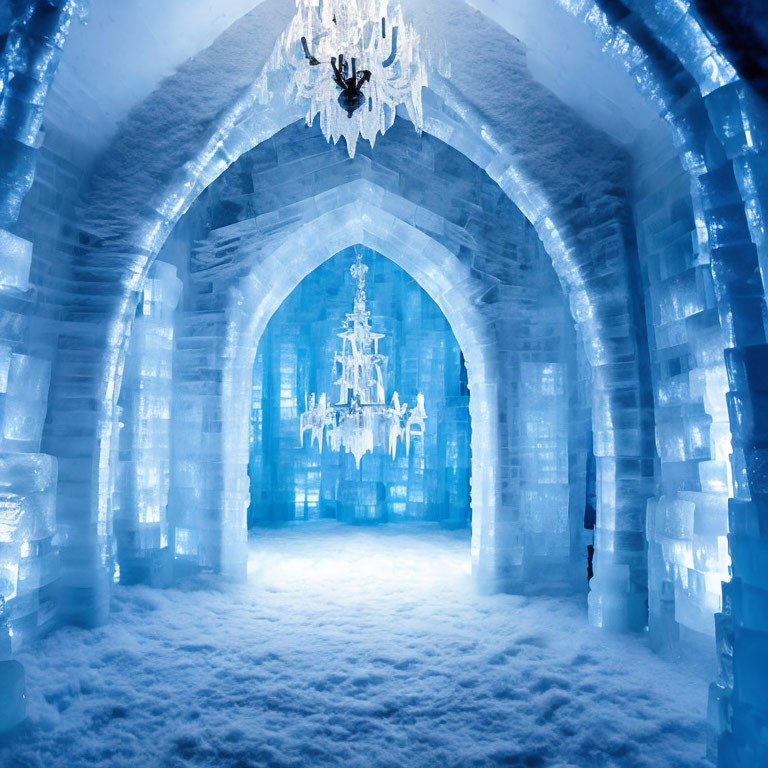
point(27, 67)
point(141, 526)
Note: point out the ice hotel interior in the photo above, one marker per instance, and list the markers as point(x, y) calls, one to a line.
point(383, 383)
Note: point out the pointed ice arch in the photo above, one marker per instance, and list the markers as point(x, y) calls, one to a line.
point(256, 297)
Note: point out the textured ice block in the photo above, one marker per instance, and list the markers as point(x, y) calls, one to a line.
point(15, 261)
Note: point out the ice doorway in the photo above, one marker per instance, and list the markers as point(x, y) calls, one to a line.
point(290, 482)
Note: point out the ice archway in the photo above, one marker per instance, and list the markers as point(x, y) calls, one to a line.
point(583, 221)
point(258, 296)
point(489, 276)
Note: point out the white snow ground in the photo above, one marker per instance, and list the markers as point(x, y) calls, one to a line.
point(354, 647)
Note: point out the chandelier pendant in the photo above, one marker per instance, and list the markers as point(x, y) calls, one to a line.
point(361, 420)
point(354, 62)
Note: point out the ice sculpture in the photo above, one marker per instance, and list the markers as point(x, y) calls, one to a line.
point(355, 62)
point(360, 412)
point(395, 416)
point(315, 419)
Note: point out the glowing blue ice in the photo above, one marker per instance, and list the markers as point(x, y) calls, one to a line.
point(294, 359)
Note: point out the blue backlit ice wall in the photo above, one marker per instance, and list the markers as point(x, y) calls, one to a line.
point(295, 359)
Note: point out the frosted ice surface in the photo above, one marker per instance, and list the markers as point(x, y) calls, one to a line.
point(357, 628)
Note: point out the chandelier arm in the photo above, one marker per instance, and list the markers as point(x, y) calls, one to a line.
point(313, 62)
point(390, 60)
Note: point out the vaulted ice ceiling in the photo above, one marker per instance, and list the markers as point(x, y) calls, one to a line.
point(144, 41)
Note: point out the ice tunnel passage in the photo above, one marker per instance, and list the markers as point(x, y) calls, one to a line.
point(507, 316)
point(187, 198)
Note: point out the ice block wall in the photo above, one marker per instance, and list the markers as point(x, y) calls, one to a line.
point(544, 464)
point(30, 49)
point(27, 477)
point(721, 134)
point(734, 199)
point(47, 219)
point(541, 387)
point(141, 525)
point(295, 359)
point(581, 458)
point(208, 496)
point(687, 523)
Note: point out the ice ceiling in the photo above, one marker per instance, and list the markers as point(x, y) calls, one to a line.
point(141, 53)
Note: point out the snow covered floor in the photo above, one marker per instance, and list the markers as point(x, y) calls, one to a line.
point(354, 647)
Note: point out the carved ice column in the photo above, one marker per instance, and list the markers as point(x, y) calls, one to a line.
point(141, 525)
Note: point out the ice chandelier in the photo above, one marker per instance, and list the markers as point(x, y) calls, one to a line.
point(355, 61)
point(361, 418)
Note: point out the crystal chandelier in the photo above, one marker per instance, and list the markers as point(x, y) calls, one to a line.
point(361, 419)
point(355, 62)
